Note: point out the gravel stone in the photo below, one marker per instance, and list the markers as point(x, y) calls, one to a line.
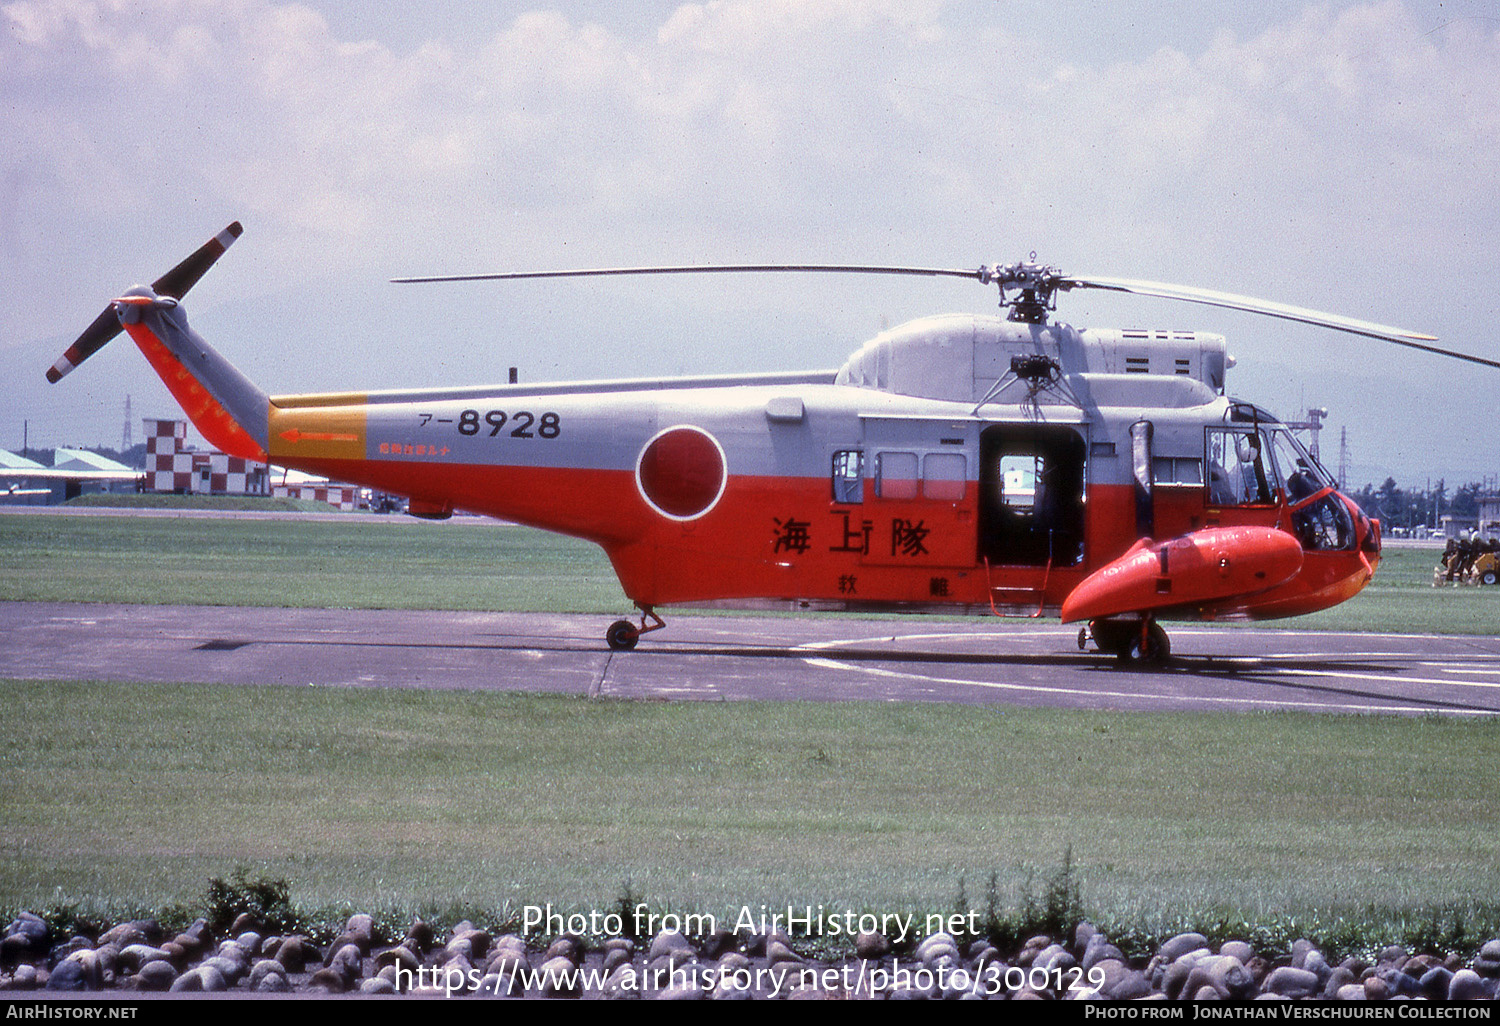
point(871, 945)
point(1467, 985)
point(273, 983)
point(1289, 981)
point(156, 975)
point(204, 979)
point(1237, 949)
point(1180, 945)
point(559, 978)
point(293, 953)
point(68, 975)
point(1487, 962)
point(265, 967)
point(666, 942)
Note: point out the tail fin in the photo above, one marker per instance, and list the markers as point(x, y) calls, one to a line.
point(230, 411)
point(223, 404)
point(174, 283)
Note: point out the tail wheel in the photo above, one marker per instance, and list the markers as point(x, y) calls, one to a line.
point(622, 635)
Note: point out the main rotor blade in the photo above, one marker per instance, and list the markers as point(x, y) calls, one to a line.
point(174, 283)
point(600, 272)
point(1230, 301)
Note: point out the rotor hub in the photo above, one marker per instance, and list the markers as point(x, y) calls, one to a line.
point(1027, 288)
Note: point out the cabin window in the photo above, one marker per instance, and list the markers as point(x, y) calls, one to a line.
point(849, 475)
point(1019, 474)
point(1176, 470)
point(1237, 469)
point(896, 475)
point(943, 476)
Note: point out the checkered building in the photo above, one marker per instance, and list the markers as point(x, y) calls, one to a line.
point(172, 467)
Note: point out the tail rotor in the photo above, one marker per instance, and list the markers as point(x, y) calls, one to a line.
point(174, 283)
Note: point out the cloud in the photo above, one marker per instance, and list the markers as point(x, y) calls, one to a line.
point(765, 116)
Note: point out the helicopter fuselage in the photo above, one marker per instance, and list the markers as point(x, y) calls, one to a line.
point(958, 463)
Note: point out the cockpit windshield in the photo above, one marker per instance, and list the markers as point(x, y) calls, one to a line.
point(1259, 461)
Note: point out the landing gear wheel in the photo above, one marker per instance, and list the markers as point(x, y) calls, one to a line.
point(1112, 636)
point(622, 635)
point(1152, 649)
point(1488, 577)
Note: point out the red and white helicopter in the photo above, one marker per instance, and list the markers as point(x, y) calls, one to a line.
point(957, 463)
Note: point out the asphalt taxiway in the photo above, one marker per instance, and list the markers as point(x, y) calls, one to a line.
point(730, 658)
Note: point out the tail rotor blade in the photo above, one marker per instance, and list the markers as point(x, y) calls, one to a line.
point(178, 280)
point(174, 283)
point(105, 327)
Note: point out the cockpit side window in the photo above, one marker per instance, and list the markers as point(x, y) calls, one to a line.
point(1239, 471)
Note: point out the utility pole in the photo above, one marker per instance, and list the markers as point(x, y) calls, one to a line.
point(126, 441)
point(1313, 424)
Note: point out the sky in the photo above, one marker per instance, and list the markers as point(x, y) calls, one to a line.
point(1342, 156)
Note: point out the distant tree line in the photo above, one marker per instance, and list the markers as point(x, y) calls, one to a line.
point(1415, 507)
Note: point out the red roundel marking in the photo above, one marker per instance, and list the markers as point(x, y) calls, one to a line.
point(681, 472)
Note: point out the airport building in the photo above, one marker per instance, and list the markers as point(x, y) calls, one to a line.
point(1489, 516)
point(74, 472)
point(172, 466)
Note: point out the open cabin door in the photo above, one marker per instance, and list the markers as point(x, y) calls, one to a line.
point(1031, 494)
point(920, 505)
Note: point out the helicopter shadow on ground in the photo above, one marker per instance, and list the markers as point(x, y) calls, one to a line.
point(1279, 673)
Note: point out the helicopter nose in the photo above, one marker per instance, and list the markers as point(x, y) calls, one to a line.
point(1367, 529)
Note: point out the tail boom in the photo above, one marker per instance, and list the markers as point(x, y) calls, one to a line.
point(225, 406)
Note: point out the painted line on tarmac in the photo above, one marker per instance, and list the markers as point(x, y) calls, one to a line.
point(1275, 703)
point(1393, 678)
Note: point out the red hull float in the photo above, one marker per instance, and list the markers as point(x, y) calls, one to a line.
point(1213, 567)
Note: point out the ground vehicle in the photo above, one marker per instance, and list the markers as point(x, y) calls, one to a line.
point(957, 463)
point(1486, 569)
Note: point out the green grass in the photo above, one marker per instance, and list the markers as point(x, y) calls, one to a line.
point(399, 564)
point(407, 564)
point(132, 796)
point(1402, 598)
point(123, 798)
point(236, 503)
